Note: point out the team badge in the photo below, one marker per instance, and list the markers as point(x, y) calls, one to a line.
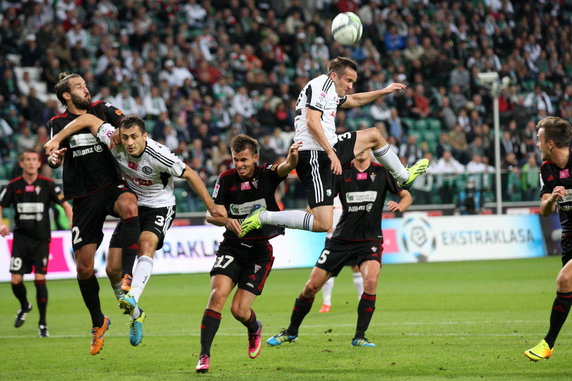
point(147, 170)
point(118, 112)
point(255, 184)
point(372, 177)
point(98, 148)
point(328, 192)
point(256, 268)
point(38, 189)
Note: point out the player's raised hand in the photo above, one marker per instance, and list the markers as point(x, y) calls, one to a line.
point(557, 193)
point(55, 157)
point(51, 145)
point(395, 87)
point(233, 225)
point(393, 206)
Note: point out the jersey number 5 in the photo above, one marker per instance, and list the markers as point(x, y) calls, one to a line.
point(324, 256)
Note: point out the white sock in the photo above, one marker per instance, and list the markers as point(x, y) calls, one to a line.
point(117, 290)
point(327, 291)
point(141, 276)
point(293, 219)
point(389, 159)
point(358, 284)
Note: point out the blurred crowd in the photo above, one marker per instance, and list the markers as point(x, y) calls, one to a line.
point(200, 72)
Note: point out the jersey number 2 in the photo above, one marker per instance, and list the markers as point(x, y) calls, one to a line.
point(75, 234)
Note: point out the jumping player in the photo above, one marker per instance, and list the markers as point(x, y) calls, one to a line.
point(324, 153)
point(92, 180)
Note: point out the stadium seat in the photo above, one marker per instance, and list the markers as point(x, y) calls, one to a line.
point(434, 124)
point(421, 125)
point(408, 122)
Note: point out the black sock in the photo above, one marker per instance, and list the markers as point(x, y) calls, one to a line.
point(365, 309)
point(560, 309)
point(19, 291)
point(251, 324)
point(90, 292)
point(41, 299)
point(129, 237)
point(209, 327)
point(301, 308)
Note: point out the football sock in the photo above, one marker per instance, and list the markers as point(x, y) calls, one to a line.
point(301, 308)
point(41, 299)
point(327, 291)
point(558, 315)
point(366, 307)
point(209, 327)
point(358, 284)
point(90, 292)
point(389, 159)
point(141, 276)
point(117, 291)
point(251, 324)
point(293, 219)
point(129, 237)
point(19, 291)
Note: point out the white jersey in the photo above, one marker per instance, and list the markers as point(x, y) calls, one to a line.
point(318, 94)
point(150, 175)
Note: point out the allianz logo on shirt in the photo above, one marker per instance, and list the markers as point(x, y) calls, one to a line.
point(358, 197)
point(245, 208)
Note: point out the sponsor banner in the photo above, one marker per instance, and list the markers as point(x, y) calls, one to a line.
point(187, 249)
point(418, 238)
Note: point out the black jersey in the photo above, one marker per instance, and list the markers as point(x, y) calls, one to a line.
point(552, 176)
point(362, 195)
point(240, 196)
point(88, 164)
point(32, 204)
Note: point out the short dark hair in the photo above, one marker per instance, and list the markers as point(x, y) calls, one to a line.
point(241, 142)
point(556, 129)
point(339, 64)
point(133, 120)
point(28, 151)
point(63, 85)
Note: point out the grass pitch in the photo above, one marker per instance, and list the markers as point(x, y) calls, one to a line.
point(433, 321)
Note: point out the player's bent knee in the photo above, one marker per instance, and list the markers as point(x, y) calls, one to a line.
point(564, 282)
point(240, 313)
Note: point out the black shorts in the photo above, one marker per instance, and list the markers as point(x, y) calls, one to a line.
point(154, 220)
point(90, 212)
point(246, 263)
point(337, 254)
point(28, 252)
point(315, 173)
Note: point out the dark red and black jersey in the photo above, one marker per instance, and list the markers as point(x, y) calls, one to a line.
point(32, 204)
point(552, 176)
point(88, 164)
point(240, 196)
point(362, 195)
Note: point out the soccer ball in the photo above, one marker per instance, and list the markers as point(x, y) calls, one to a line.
point(347, 28)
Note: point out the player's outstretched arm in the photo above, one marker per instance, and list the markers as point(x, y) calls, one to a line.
point(360, 99)
point(85, 121)
point(291, 160)
point(403, 204)
point(200, 189)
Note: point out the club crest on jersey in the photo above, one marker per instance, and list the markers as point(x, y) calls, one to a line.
point(147, 170)
point(565, 173)
point(328, 192)
point(256, 268)
point(255, 184)
point(372, 177)
point(38, 189)
point(245, 186)
point(98, 148)
point(132, 165)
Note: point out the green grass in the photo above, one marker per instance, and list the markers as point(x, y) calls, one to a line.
point(433, 321)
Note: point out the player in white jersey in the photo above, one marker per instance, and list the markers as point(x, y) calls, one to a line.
point(323, 153)
point(149, 168)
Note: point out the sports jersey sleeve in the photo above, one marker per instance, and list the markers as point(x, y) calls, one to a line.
point(545, 186)
point(56, 194)
point(316, 93)
point(165, 160)
point(219, 192)
point(6, 196)
point(112, 114)
point(342, 100)
point(271, 173)
point(104, 133)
